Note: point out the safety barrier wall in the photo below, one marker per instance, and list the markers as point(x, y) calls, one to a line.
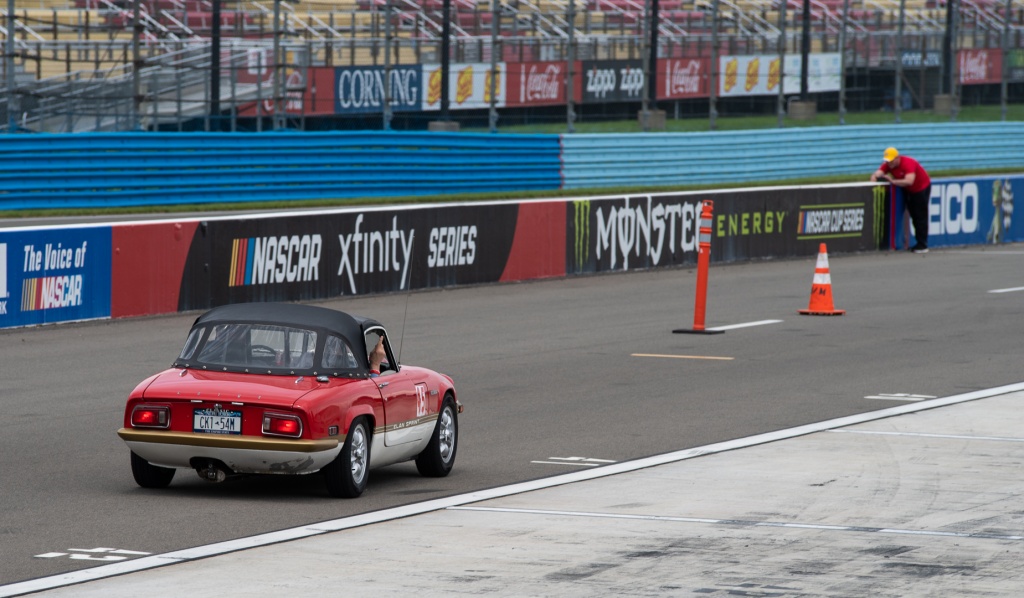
point(606, 160)
point(81, 272)
point(137, 169)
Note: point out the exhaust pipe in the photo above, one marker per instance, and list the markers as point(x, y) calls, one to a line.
point(212, 472)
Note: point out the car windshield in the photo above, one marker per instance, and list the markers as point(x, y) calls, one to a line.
point(244, 345)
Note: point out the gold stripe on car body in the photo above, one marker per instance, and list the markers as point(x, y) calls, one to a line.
point(411, 423)
point(228, 441)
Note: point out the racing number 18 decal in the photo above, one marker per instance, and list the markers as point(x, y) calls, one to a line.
point(421, 400)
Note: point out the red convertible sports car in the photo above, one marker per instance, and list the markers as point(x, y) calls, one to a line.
point(275, 388)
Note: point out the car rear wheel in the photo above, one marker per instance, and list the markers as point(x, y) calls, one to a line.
point(348, 473)
point(150, 476)
point(437, 460)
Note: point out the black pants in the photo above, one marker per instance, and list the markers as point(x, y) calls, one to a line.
point(917, 207)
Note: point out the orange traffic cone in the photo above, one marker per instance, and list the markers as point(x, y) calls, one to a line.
point(821, 289)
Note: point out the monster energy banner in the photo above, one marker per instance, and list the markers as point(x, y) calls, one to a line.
point(646, 231)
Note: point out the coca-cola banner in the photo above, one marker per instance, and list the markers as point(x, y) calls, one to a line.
point(980, 66)
point(683, 78)
point(539, 83)
point(469, 86)
point(296, 96)
point(612, 81)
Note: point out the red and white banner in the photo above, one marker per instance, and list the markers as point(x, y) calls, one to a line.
point(538, 83)
point(683, 78)
point(980, 66)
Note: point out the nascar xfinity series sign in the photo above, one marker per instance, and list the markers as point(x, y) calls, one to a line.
point(346, 253)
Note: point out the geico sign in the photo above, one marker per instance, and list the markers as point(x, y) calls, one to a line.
point(953, 209)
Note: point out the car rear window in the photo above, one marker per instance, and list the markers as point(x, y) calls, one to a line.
point(243, 345)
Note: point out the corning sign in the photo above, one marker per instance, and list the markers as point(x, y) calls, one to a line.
point(361, 89)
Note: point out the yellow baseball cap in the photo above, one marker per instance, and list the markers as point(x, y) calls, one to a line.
point(890, 154)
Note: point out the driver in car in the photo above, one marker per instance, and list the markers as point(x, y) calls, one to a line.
point(377, 356)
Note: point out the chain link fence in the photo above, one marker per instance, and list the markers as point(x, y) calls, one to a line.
point(225, 65)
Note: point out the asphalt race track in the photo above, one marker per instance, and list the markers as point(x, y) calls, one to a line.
point(548, 371)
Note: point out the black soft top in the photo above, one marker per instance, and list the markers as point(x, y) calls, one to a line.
point(310, 317)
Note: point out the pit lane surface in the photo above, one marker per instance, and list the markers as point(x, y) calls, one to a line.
point(546, 370)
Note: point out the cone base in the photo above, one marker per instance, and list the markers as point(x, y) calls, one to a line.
point(689, 331)
point(809, 312)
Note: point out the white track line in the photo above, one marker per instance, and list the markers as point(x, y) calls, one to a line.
point(743, 523)
point(1011, 290)
point(745, 325)
point(200, 552)
point(926, 435)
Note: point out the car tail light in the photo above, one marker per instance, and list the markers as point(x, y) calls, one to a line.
point(280, 424)
point(151, 416)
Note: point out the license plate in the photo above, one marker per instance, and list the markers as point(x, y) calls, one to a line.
point(217, 421)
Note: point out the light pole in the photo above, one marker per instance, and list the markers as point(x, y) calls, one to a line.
point(842, 63)
point(713, 82)
point(781, 104)
point(446, 32)
point(897, 103)
point(12, 94)
point(570, 93)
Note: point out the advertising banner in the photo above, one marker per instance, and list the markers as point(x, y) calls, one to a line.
point(469, 86)
point(1015, 70)
point(980, 66)
point(683, 78)
point(538, 83)
point(295, 95)
point(970, 211)
point(360, 89)
point(760, 74)
point(612, 81)
point(916, 59)
point(353, 252)
point(646, 231)
point(58, 275)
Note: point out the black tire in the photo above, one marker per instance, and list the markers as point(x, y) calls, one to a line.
point(347, 475)
point(437, 460)
point(150, 476)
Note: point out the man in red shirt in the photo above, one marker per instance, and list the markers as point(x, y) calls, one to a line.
point(906, 173)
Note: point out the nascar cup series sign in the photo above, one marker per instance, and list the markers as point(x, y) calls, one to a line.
point(54, 276)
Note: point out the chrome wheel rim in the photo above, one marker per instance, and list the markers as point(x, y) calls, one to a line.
point(358, 454)
point(446, 435)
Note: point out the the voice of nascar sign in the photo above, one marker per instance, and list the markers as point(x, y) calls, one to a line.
point(58, 275)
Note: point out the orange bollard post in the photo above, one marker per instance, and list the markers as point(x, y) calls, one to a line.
point(703, 261)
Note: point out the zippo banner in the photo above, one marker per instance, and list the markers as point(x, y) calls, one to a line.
point(58, 275)
point(612, 80)
point(647, 231)
point(972, 211)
